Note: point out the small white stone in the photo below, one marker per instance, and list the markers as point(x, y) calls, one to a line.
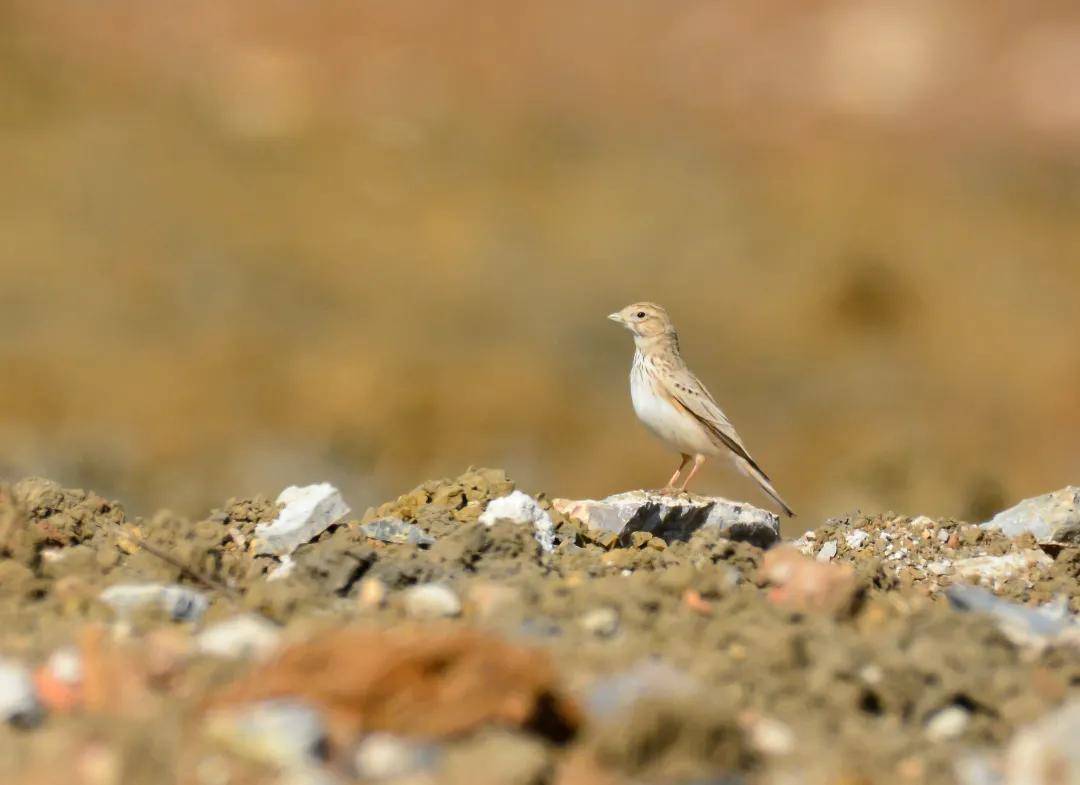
point(948, 723)
point(943, 535)
point(18, 699)
point(65, 665)
point(180, 602)
point(857, 539)
point(827, 552)
point(432, 601)
point(602, 622)
point(772, 737)
point(940, 567)
point(384, 756)
point(283, 570)
point(922, 522)
point(521, 508)
point(308, 511)
point(240, 637)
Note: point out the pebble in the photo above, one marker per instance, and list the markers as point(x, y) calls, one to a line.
point(384, 756)
point(943, 535)
point(19, 704)
point(948, 723)
point(1052, 517)
point(241, 637)
point(772, 737)
point(432, 601)
point(371, 593)
point(308, 511)
point(601, 622)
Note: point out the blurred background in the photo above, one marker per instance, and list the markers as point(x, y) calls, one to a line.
point(265, 242)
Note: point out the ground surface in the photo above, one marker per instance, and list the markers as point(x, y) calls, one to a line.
point(649, 662)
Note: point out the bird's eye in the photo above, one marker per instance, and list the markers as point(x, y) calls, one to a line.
point(641, 314)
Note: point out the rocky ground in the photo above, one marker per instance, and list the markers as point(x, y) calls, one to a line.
point(470, 633)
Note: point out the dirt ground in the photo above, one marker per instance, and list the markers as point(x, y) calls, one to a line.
point(697, 661)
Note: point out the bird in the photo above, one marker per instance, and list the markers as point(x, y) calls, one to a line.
point(673, 403)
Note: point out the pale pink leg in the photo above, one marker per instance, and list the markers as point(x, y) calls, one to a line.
point(698, 460)
point(671, 483)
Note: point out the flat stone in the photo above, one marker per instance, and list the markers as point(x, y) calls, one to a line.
point(307, 512)
point(284, 733)
point(996, 569)
point(1050, 518)
point(1022, 624)
point(385, 756)
point(673, 518)
point(180, 602)
point(395, 530)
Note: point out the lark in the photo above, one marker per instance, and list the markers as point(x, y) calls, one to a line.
point(674, 404)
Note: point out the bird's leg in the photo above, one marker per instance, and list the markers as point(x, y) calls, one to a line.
point(698, 460)
point(671, 483)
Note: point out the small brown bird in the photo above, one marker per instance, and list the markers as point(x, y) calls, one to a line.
point(675, 405)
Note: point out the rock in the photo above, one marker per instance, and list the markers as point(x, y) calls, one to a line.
point(181, 603)
point(241, 637)
point(771, 736)
point(856, 539)
point(1051, 518)
point(432, 601)
point(284, 733)
point(282, 570)
point(611, 696)
point(386, 756)
point(827, 552)
point(996, 569)
point(601, 622)
point(59, 681)
point(395, 530)
point(1023, 625)
point(673, 517)
point(307, 513)
point(802, 584)
point(371, 593)
point(948, 723)
point(19, 704)
point(521, 508)
point(1046, 752)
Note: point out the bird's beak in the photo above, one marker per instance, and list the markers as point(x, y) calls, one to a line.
point(616, 317)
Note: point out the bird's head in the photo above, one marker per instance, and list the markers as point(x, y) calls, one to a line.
point(644, 320)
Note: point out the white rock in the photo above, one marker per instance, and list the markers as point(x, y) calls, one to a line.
point(943, 535)
point(180, 602)
point(772, 737)
point(827, 552)
point(857, 539)
point(939, 567)
point(284, 733)
point(1053, 517)
point(673, 517)
point(922, 522)
point(240, 637)
point(602, 622)
point(18, 699)
point(65, 665)
point(384, 756)
point(948, 723)
point(995, 569)
point(432, 601)
point(521, 508)
point(308, 512)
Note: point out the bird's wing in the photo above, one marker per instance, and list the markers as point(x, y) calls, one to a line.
point(689, 393)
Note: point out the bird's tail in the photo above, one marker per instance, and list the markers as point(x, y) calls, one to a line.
point(755, 472)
